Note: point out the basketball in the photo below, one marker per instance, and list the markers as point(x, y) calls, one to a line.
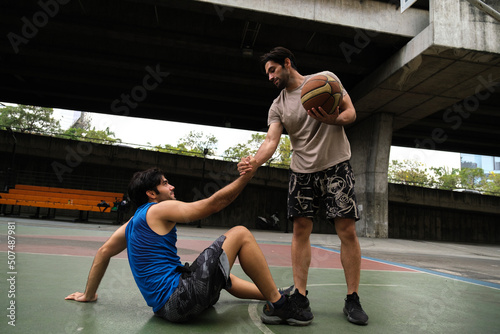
point(321, 91)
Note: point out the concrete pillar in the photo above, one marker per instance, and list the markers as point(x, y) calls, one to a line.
point(371, 144)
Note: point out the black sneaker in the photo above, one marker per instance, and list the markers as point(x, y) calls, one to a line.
point(289, 314)
point(286, 291)
point(354, 311)
point(301, 300)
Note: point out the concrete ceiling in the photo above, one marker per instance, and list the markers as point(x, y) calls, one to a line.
point(99, 56)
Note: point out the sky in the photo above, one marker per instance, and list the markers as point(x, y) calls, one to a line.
point(142, 131)
point(154, 132)
point(138, 131)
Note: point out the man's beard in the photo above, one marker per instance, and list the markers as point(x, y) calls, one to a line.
point(281, 84)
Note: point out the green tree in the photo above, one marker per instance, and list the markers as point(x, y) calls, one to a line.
point(281, 157)
point(446, 179)
point(413, 173)
point(81, 130)
point(167, 148)
point(235, 153)
point(285, 151)
point(91, 135)
point(492, 185)
point(472, 178)
point(409, 172)
point(29, 119)
point(195, 143)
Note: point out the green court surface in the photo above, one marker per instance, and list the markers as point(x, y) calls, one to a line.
point(52, 260)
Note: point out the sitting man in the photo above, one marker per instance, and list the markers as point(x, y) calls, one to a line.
point(175, 292)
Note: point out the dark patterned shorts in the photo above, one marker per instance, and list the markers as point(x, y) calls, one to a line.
point(334, 186)
point(200, 284)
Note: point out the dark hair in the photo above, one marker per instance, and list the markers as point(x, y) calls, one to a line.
point(278, 55)
point(143, 181)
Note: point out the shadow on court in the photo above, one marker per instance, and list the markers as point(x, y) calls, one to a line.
point(52, 260)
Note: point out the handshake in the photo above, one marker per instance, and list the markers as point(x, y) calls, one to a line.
point(247, 165)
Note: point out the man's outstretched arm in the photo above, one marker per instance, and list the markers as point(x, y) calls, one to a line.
point(265, 151)
point(114, 245)
point(172, 212)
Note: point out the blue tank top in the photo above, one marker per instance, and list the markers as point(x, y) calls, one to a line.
point(153, 259)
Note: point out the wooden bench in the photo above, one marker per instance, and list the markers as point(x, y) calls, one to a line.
point(54, 198)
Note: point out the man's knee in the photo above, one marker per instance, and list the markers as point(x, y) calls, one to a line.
point(346, 228)
point(240, 232)
point(302, 226)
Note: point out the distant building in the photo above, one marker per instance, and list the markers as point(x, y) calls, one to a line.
point(487, 163)
point(81, 120)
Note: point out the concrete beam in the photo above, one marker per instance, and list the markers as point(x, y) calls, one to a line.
point(459, 24)
point(376, 16)
point(485, 8)
point(461, 44)
point(407, 60)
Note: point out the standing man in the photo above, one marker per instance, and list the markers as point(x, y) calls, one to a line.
point(319, 170)
point(179, 293)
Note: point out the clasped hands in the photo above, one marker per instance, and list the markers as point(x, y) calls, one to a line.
point(247, 165)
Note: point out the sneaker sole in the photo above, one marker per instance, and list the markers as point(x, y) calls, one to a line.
point(270, 320)
point(354, 321)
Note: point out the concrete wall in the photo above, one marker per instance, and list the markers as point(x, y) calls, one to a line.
point(413, 212)
point(48, 161)
point(433, 214)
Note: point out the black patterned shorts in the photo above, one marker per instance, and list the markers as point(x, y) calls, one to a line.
point(334, 186)
point(200, 284)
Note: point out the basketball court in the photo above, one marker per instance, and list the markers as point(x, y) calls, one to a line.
point(53, 258)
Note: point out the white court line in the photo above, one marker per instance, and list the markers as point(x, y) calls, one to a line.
point(254, 315)
point(331, 284)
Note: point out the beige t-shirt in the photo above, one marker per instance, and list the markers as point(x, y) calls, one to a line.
point(316, 145)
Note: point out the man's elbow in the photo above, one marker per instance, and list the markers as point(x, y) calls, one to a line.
point(105, 252)
point(350, 115)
